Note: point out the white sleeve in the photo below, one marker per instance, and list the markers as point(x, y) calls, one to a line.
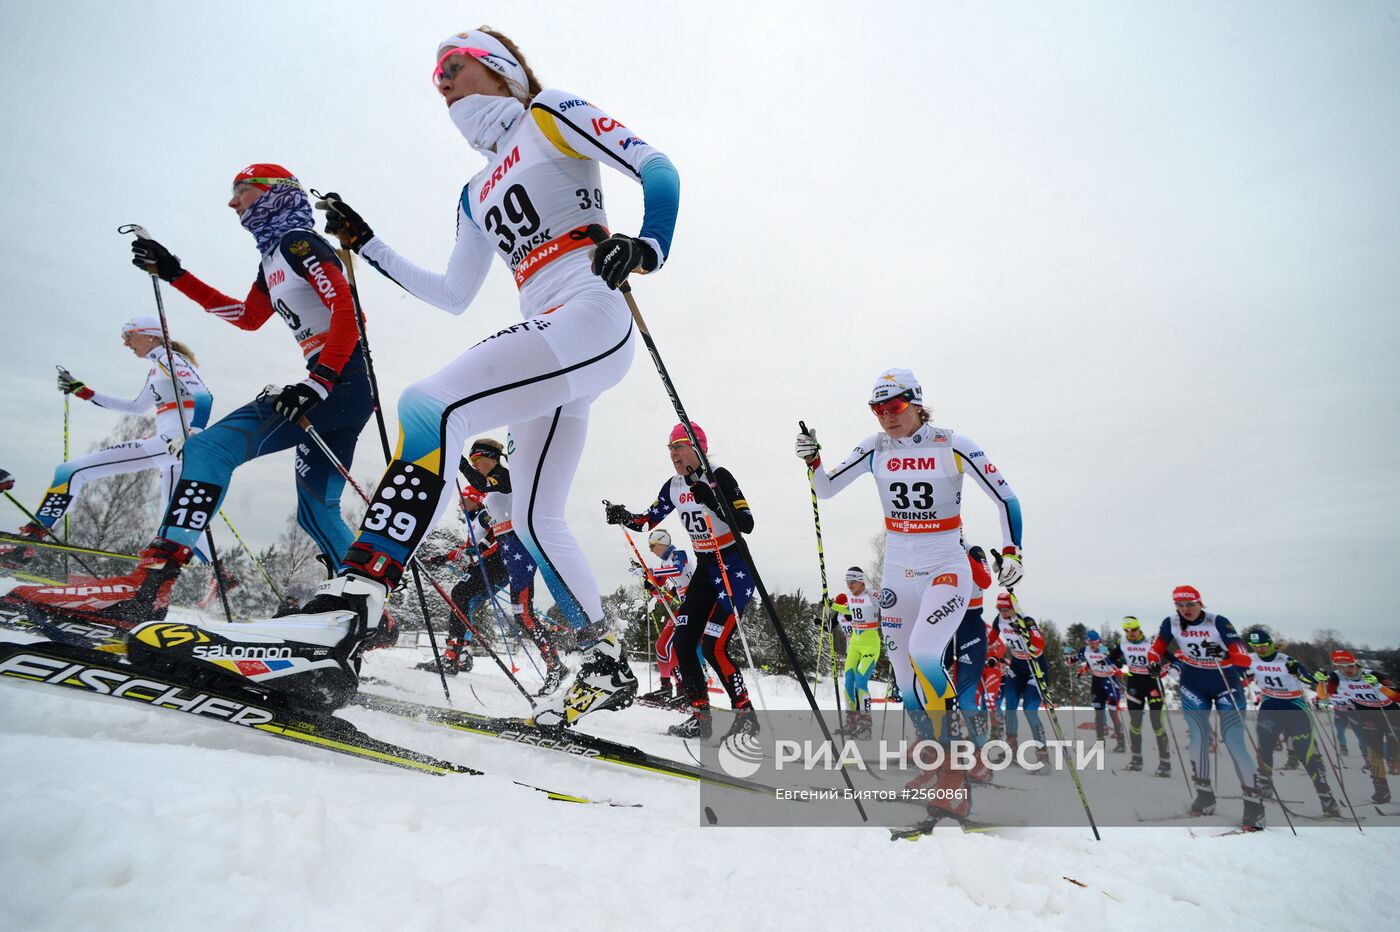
point(990, 479)
point(853, 466)
point(451, 291)
point(143, 403)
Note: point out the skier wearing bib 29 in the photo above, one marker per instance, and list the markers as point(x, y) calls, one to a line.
point(918, 470)
point(141, 335)
point(1209, 656)
point(1144, 690)
point(706, 618)
point(534, 205)
point(299, 280)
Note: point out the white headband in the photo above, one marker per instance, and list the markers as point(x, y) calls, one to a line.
point(147, 325)
point(497, 58)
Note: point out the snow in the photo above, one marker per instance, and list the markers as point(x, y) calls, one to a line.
point(125, 817)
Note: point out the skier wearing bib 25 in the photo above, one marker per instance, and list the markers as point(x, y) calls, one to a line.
point(1210, 657)
point(706, 618)
point(141, 335)
point(918, 470)
point(532, 205)
point(299, 280)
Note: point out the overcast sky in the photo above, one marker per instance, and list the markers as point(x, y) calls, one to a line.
point(1146, 254)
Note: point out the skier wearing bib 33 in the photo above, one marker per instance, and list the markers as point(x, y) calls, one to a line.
point(532, 205)
point(299, 280)
point(918, 470)
point(141, 335)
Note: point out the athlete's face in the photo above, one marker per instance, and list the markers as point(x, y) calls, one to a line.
point(483, 464)
point(1006, 613)
point(856, 587)
point(658, 548)
point(1189, 611)
point(1133, 634)
point(139, 343)
point(683, 457)
point(459, 75)
point(900, 423)
point(243, 197)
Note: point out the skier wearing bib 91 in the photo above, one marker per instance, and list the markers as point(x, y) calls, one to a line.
point(918, 470)
point(535, 204)
point(299, 279)
point(1210, 657)
point(706, 619)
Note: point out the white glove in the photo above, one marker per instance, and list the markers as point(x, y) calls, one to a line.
point(176, 445)
point(1009, 574)
point(807, 447)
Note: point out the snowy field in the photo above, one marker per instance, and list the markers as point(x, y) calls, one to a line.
point(124, 817)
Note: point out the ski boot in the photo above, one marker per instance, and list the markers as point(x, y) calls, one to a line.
point(451, 659)
point(1134, 764)
point(699, 725)
point(14, 554)
point(1204, 803)
point(1292, 763)
point(604, 681)
point(745, 724)
point(944, 788)
point(553, 678)
point(658, 696)
point(979, 772)
point(1381, 796)
point(1164, 768)
point(118, 601)
point(1119, 746)
point(1253, 818)
point(1330, 809)
point(386, 635)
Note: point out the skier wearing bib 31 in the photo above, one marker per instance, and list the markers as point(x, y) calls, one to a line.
point(299, 280)
point(1210, 657)
point(141, 335)
point(918, 470)
point(706, 618)
point(534, 205)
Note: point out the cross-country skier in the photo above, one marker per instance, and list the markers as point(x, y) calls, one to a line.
point(1282, 713)
point(918, 471)
point(672, 574)
point(1019, 687)
point(1144, 691)
point(1210, 656)
point(300, 281)
point(1364, 701)
point(966, 657)
point(858, 613)
point(989, 694)
point(706, 617)
point(489, 497)
point(532, 205)
point(1103, 664)
point(161, 451)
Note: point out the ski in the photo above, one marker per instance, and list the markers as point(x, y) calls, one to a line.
point(102, 674)
point(575, 744)
point(8, 538)
point(920, 829)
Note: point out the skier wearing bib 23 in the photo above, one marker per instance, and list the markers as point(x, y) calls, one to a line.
point(531, 205)
point(918, 470)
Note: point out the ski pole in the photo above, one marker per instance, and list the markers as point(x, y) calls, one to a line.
point(140, 232)
point(57, 544)
point(1176, 742)
point(662, 598)
point(734, 607)
point(1045, 693)
point(246, 549)
point(490, 590)
point(1253, 745)
point(66, 570)
point(347, 257)
point(825, 614)
point(1335, 763)
point(359, 490)
point(596, 233)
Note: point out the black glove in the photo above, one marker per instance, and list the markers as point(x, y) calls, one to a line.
point(618, 256)
point(1214, 650)
point(705, 494)
point(977, 553)
point(1154, 669)
point(343, 223)
point(297, 400)
point(618, 514)
point(992, 663)
point(154, 259)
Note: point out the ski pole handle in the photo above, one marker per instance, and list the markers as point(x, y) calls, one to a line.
point(134, 229)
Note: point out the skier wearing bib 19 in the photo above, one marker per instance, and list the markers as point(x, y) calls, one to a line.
point(533, 205)
point(918, 470)
point(1282, 712)
point(1210, 656)
point(1144, 690)
point(141, 335)
point(299, 280)
point(858, 611)
point(706, 618)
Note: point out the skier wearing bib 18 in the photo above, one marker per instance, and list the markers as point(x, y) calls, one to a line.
point(918, 470)
point(141, 335)
point(299, 280)
point(534, 205)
